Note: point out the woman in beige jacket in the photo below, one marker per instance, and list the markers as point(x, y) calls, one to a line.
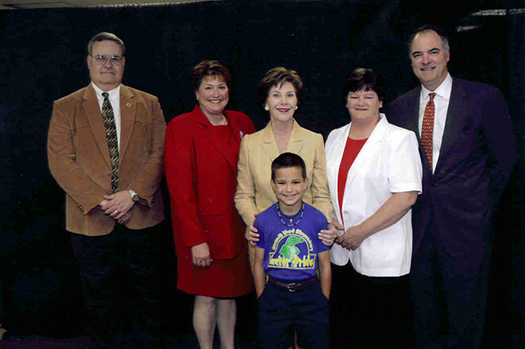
point(279, 93)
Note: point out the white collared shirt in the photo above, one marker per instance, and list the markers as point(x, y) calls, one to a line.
point(441, 102)
point(114, 99)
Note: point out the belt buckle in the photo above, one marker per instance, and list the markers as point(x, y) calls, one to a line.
point(291, 286)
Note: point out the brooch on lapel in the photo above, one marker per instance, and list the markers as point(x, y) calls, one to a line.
point(128, 105)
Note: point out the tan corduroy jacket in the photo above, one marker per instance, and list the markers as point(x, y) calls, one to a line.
point(79, 158)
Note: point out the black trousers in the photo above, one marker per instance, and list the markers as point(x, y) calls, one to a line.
point(370, 312)
point(121, 285)
point(449, 294)
point(305, 310)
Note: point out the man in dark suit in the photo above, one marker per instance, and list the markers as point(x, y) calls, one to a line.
point(467, 150)
point(106, 151)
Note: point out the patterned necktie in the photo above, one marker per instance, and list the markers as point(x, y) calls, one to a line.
point(427, 132)
point(111, 136)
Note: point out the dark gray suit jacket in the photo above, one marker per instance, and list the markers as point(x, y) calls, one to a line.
point(474, 165)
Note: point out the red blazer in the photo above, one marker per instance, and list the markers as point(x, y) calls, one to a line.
point(202, 181)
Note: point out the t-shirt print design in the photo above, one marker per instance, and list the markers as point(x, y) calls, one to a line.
point(292, 249)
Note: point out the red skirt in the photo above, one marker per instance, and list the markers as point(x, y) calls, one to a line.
point(225, 278)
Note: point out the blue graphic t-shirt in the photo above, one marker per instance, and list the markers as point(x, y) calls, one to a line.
point(290, 252)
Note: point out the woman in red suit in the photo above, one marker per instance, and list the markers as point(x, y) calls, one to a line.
point(202, 150)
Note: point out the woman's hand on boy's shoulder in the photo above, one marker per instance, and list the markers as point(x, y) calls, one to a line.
point(328, 237)
point(253, 234)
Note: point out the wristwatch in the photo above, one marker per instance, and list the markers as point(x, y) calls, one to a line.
point(134, 196)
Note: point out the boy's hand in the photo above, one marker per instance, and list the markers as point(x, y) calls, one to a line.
point(201, 255)
point(325, 272)
point(328, 237)
point(259, 275)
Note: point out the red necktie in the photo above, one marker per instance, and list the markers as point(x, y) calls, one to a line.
point(427, 132)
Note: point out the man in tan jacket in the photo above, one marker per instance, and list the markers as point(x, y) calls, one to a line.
point(106, 149)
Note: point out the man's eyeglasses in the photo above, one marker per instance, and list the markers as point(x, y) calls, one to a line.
point(102, 59)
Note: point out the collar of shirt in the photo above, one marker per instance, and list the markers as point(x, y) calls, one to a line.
point(114, 99)
point(443, 91)
point(441, 102)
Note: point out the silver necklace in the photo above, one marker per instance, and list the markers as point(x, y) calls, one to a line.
point(291, 218)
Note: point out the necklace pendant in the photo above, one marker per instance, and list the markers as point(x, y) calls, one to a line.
point(291, 220)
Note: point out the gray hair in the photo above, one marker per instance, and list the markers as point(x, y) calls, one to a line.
point(103, 36)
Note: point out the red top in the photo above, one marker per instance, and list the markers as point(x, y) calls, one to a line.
point(352, 148)
point(201, 172)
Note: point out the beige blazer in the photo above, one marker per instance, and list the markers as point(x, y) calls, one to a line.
point(79, 158)
point(254, 191)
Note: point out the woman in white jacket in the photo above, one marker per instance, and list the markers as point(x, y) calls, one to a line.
point(374, 176)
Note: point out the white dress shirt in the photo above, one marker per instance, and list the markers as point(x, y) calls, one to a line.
point(114, 99)
point(441, 102)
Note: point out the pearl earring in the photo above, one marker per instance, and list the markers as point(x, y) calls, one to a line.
point(266, 108)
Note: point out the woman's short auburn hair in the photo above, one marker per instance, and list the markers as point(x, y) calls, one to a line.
point(276, 77)
point(209, 68)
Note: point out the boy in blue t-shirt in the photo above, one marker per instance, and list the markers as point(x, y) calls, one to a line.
point(290, 253)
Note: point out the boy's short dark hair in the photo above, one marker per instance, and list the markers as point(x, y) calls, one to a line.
point(288, 160)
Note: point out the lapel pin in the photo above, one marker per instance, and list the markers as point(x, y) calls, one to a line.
point(128, 105)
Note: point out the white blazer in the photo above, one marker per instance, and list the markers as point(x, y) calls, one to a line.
point(388, 163)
